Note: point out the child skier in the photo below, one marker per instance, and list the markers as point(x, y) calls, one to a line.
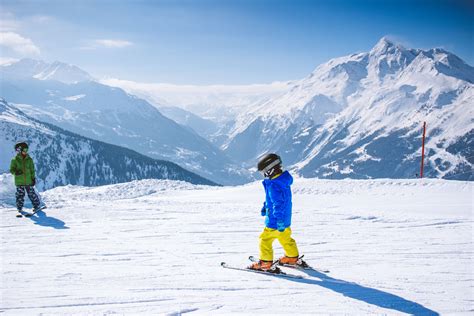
point(23, 169)
point(277, 212)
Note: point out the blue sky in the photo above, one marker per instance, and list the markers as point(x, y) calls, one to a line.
point(227, 41)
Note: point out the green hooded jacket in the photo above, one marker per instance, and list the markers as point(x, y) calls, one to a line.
point(27, 168)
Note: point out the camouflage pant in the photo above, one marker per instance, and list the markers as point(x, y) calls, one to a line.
point(20, 196)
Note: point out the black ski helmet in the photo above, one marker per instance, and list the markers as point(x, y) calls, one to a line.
point(268, 164)
point(20, 146)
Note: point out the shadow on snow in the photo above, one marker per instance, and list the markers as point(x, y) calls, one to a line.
point(366, 294)
point(44, 220)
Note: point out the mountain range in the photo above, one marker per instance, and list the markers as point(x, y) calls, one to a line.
point(357, 116)
point(361, 116)
point(63, 158)
point(66, 96)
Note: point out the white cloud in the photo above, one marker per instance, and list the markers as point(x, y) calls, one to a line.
point(113, 43)
point(107, 43)
point(19, 44)
point(7, 61)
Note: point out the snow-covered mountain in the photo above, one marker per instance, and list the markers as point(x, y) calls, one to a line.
point(109, 114)
point(63, 158)
point(29, 68)
point(209, 110)
point(204, 127)
point(360, 116)
point(219, 103)
point(357, 116)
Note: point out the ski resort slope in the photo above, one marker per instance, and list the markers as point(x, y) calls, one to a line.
point(155, 246)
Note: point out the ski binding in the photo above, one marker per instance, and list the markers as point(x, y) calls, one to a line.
point(279, 274)
point(297, 267)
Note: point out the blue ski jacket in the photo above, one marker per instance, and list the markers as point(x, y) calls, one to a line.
point(278, 200)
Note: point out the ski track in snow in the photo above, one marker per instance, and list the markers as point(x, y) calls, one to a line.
point(155, 247)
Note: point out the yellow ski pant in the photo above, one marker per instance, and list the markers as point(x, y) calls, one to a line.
point(266, 240)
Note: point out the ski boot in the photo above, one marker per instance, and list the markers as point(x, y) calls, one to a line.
point(38, 208)
point(266, 266)
point(293, 262)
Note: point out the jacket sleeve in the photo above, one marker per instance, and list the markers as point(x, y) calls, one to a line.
point(33, 172)
point(278, 201)
point(13, 166)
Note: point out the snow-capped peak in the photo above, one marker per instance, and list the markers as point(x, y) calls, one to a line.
point(450, 64)
point(38, 69)
point(63, 72)
point(386, 46)
point(387, 59)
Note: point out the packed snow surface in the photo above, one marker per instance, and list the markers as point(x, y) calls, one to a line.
point(155, 247)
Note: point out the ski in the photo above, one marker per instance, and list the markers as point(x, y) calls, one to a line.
point(33, 212)
point(280, 274)
point(302, 269)
point(42, 207)
point(253, 259)
point(24, 214)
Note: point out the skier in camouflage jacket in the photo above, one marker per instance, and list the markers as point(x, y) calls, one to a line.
point(23, 169)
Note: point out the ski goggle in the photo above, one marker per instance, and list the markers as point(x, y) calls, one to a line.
point(267, 169)
point(19, 150)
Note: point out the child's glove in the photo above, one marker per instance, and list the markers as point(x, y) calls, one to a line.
point(18, 173)
point(33, 182)
point(281, 226)
point(263, 211)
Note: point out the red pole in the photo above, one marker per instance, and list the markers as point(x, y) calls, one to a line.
point(423, 150)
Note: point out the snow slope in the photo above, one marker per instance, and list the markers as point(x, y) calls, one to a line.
point(154, 247)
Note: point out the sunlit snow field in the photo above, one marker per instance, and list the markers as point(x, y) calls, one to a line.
point(155, 247)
